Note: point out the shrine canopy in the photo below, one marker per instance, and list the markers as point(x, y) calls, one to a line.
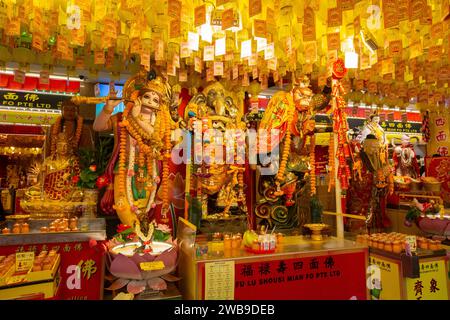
point(397, 50)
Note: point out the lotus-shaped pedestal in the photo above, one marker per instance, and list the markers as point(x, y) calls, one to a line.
point(126, 269)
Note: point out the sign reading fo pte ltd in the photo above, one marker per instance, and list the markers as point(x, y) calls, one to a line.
point(31, 100)
point(395, 126)
point(332, 277)
point(389, 126)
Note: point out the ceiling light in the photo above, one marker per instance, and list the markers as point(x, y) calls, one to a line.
point(37, 75)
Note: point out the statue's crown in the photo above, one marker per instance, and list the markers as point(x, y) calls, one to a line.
point(156, 85)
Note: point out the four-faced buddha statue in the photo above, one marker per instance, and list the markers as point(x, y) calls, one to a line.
point(58, 170)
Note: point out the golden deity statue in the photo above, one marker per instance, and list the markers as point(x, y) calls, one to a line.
point(58, 170)
point(219, 110)
point(71, 123)
point(55, 195)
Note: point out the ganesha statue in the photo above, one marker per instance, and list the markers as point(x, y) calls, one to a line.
point(215, 117)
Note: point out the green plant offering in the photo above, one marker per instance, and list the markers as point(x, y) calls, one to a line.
point(93, 164)
point(316, 210)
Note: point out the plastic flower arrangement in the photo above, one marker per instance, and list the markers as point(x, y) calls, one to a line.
point(93, 164)
point(124, 233)
point(87, 178)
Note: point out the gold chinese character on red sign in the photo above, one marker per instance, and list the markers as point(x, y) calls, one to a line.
point(88, 268)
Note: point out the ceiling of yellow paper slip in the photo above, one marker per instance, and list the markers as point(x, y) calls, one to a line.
point(409, 39)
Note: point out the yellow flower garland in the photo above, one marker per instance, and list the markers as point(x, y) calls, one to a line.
point(312, 160)
point(287, 146)
point(146, 156)
point(331, 182)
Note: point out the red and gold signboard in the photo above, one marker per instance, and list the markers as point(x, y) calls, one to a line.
point(439, 168)
point(81, 268)
point(335, 276)
point(440, 131)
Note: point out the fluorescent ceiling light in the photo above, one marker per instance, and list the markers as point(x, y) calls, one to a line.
point(37, 75)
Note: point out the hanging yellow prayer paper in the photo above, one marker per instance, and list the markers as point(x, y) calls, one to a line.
point(259, 28)
point(334, 17)
point(193, 41)
point(171, 70)
point(99, 57)
point(235, 72)
point(78, 37)
point(253, 60)
point(437, 31)
point(220, 47)
point(390, 14)
point(272, 64)
point(198, 64)
point(227, 19)
point(184, 50)
point(182, 76)
point(145, 60)
point(218, 68)
point(254, 7)
point(245, 80)
point(209, 74)
point(309, 26)
point(61, 45)
point(36, 23)
point(19, 76)
point(37, 42)
point(434, 53)
point(13, 28)
point(417, 8)
point(395, 48)
point(208, 53)
point(176, 60)
point(333, 41)
point(221, 2)
point(200, 16)
point(79, 63)
point(100, 10)
point(311, 52)
point(175, 28)
point(246, 49)
point(159, 50)
point(174, 9)
point(345, 5)
point(403, 9)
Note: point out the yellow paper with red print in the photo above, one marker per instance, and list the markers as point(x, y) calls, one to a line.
point(432, 284)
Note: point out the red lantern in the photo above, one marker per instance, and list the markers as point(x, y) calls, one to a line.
point(339, 69)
